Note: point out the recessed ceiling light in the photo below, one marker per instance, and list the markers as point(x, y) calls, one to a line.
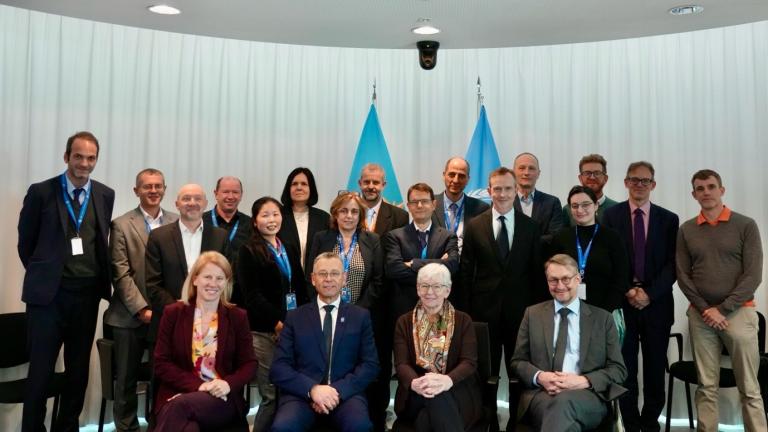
point(164, 9)
point(423, 27)
point(686, 10)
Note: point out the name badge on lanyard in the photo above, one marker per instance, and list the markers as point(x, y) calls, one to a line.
point(76, 242)
point(216, 224)
point(290, 301)
point(346, 259)
point(454, 227)
point(281, 258)
point(582, 261)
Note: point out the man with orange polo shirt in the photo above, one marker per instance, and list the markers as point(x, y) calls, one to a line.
point(719, 267)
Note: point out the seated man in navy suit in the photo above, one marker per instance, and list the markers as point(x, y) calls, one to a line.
point(325, 357)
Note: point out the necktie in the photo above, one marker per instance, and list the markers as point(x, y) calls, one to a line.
point(562, 340)
point(422, 239)
point(503, 239)
point(76, 202)
point(328, 334)
point(639, 245)
point(454, 212)
point(369, 218)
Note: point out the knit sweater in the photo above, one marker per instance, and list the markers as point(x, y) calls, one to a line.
point(719, 265)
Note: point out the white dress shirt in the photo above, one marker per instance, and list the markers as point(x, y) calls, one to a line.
point(192, 241)
point(509, 222)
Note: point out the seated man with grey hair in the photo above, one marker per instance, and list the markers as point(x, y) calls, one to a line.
point(567, 355)
point(436, 359)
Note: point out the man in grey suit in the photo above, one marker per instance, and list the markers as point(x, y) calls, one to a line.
point(453, 208)
point(128, 315)
point(542, 207)
point(567, 355)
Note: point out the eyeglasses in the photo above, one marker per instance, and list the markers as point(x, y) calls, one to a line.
point(585, 205)
point(634, 181)
point(421, 202)
point(425, 288)
point(592, 174)
point(565, 280)
point(326, 275)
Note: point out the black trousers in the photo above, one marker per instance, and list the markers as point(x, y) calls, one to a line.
point(70, 319)
point(129, 347)
point(437, 414)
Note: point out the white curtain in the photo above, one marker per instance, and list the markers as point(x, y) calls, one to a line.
point(199, 108)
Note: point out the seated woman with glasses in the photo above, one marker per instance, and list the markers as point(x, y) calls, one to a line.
point(598, 251)
point(436, 359)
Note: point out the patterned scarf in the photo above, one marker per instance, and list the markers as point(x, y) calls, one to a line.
point(432, 336)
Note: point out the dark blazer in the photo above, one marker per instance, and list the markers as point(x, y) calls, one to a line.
point(568, 217)
point(606, 274)
point(461, 366)
point(547, 211)
point(166, 265)
point(402, 245)
point(600, 357)
point(472, 208)
point(174, 371)
point(243, 234)
point(300, 358)
point(659, 253)
point(373, 256)
point(289, 233)
point(389, 218)
point(43, 243)
point(264, 287)
point(498, 291)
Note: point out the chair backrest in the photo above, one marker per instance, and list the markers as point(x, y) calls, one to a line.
point(15, 351)
point(483, 349)
point(105, 348)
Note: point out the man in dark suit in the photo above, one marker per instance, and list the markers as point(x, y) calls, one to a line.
point(128, 316)
point(453, 208)
point(567, 356)
point(542, 207)
point(415, 245)
point(593, 173)
point(650, 236)
point(381, 216)
point(63, 229)
point(325, 357)
point(173, 248)
point(225, 214)
point(501, 267)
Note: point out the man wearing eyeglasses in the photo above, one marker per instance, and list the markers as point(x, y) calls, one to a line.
point(567, 356)
point(649, 234)
point(593, 173)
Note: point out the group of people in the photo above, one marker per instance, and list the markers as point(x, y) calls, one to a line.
point(315, 306)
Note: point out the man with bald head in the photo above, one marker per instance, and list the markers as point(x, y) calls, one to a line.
point(539, 206)
point(168, 244)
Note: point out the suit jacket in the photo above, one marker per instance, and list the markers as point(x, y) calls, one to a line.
point(600, 357)
point(300, 358)
point(241, 237)
point(166, 265)
point(402, 245)
point(568, 217)
point(127, 244)
point(472, 208)
point(660, 244)
point(173, 368)
point(498, 291)
point(43, 244)
point(546, 211)
point(373, 256)
point(289, 233)
point(389, 218)
point(461, 366)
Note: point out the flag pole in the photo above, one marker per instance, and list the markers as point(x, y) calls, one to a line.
point(373, 96)
point(479, 96)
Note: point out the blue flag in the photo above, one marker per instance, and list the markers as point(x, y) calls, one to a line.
point(482, 157)
point(372, 148)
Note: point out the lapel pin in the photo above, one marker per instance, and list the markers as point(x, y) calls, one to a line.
point(342, 319)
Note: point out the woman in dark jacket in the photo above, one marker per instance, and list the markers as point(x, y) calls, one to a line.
point(301, 221)
point(273, 283)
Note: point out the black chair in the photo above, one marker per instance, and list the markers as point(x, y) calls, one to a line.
point(489, 383)
point(685, 371)
point(15, 353)
point(108, 375)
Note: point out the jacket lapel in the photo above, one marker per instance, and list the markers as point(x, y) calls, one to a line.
point(436, 236)
point(317, 326)
point(63, 215)
point(222, 336)
point(488, 227)
point(548, 329)
point(139, 225)
point(179, 245)
point(341, 328)
point(186, 321)
point(383, 221)
point(439, 212)
point(585, 331)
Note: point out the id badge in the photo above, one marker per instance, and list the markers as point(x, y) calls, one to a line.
point(582, 291)
point(346, 297)
point(77, 246)
point(290, 301)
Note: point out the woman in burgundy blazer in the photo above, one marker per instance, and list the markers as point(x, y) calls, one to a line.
point(213, 403)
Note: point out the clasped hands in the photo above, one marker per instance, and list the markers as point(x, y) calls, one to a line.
point(410, 263)
point(638, 298)
point(713, 318)
point(431, 384)
point(324, 398)
point(216, 388)
point(556, 382)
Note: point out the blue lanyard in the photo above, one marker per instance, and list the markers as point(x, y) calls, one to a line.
point(281, 258)
point(459, 212)
point(584, 254)
point(149, 228)
point(346, 257)
point(68, 202)
point(216, 224)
